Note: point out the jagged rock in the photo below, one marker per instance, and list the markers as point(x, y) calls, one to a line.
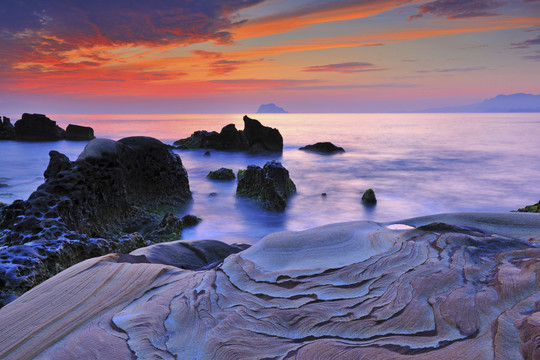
point(7, 130)
point(77, 132)
point(368, 198)
point(83, 207)
point(37, 127)
point(254, 138)
point(357, 290)
point(323, 147)
point(221, 174)
point(270, 186)
point(535, 208)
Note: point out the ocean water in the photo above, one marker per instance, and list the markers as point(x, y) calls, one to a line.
point(418, 164)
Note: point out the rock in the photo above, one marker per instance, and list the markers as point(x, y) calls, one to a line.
point(270, 186)
point(190, 220)
point(37, 127)
point(323, 148)
point(254, 138)
point(368, 198)
point(535, 208)
point(207, 153)
point(7, 130)
point(77, 132)
point(323, 194)
point(84, 206)
point(221, 174)
point(271, 108)
point(357, 290)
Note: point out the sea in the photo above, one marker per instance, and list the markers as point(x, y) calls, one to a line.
point(417, 164)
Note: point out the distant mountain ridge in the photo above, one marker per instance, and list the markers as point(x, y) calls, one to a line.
point(518, 102)
point(271, 108)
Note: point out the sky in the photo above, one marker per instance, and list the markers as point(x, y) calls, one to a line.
point(230, 56)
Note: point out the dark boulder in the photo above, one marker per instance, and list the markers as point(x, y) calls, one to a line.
point(83, 207)
point(221, 174)
point(77, 132)
point(254, 138)
point(368, 198)
point(270, 186)
point(37, 127)
point(323, 148)
point(258, 134)
point(7, 130)
point(190, 220)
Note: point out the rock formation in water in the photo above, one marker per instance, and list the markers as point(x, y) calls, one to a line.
point(7, 130)
point(88, 207)
point(77, 132)
point(450, 286)
point(535, 208)
point(270, 185)
point(221, 174)
point(271, 108)
point(368, 198)
point(38, 127)
point(323, 148)
point(254, 138)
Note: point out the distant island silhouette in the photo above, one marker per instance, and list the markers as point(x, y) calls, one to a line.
point(518, 102)
point(271, 108)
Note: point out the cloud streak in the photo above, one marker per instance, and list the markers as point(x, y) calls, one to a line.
point(344, 68)
point(459, 9)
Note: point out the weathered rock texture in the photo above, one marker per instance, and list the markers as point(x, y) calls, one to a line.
point(270, 185)
point(254, 138)
point(87, 208)
point(323, 148)
point(7, 130)
point(77, 132)
point(452, 286)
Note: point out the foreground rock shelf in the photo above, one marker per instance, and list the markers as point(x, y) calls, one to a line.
point(450, 286)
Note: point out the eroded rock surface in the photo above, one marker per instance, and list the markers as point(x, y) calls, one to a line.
point(450, 286)
point(254, 138)
point(270, 185)
point(88, 207)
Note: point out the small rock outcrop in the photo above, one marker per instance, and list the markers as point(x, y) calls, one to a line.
point(368, 198)
point(254, 138)
point(88, 207)
point(77, 132)
point(323, 148)
point(221, 174)
point(37, 127)
point(271, 108)
point(270, 185)
point(7, 130)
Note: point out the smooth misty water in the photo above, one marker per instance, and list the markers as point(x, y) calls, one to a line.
point(418, 164)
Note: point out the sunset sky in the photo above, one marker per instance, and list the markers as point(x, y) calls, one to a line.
point(230, 56)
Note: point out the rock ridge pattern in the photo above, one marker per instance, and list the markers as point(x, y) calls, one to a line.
point(255, 138)
point(448, 286)
point(88, 207)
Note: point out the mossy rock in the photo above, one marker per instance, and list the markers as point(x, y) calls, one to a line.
point(535, 208)
point(221, 174)
point(369, 197)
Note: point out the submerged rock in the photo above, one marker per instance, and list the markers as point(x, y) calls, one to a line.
point(270, 186)
point(368, 198)
point(77, 132)
point(84, 206)
point(357, 290)
point(254, 138)
point(221, 174)
point(323, 147)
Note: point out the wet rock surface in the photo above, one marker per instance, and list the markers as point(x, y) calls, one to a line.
point(323, 148)
point(88, 207)
point(221, 174)
point(448, 286)
point(270, 185)
point(254, 138)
